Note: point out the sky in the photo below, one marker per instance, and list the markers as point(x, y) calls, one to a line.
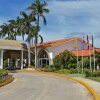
point(67, 18)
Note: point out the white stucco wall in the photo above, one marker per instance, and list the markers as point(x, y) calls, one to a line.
point(58, 48)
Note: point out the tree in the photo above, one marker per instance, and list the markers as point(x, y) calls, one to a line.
point(98, 58)
point(10, 30)
point(28, 30)
point(4, 32)
point(38, 9)
point(65, 60)
point(14, 27)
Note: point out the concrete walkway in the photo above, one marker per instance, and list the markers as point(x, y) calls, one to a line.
point(95, 85)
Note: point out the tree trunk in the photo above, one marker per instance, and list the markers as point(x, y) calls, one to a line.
point(36, 38)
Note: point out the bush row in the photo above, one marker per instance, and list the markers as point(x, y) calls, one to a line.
point(58, 70)
point(63, 71)
point(87, 72)
point(92, 74)
point(3, 72)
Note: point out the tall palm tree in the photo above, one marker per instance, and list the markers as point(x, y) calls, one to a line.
point(5, 31)
point(15, 26)
point(21, 28)
point(38, 9)
point(27, 30)
point(10, 30)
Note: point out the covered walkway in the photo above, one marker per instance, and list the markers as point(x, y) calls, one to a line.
point(11, 50)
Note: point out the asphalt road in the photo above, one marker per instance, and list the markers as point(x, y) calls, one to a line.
point(28, 86)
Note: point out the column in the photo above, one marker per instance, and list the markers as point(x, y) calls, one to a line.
point(51, 58)
point(8, 62)
point(22, 59)
point(29, 57)
point(1, 59)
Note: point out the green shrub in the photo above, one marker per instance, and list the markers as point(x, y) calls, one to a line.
point(3, 72)
point(63, 71)
point(65, 59)
point(92, 74)
point(74, 71)
point(97, 73)
point(5, 63)
point(48, 69)
point(88, 73)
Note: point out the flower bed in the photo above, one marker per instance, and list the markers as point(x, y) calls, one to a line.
point(7, 80)
point(3, 75)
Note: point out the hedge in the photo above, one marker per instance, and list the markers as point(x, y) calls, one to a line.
point(92, 74)
point(3, 72)
point(63, 71)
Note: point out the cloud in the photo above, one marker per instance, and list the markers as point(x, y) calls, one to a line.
point(67, 19)
point(75, 17)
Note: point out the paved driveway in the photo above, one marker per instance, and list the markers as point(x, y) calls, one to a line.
point(28, 86)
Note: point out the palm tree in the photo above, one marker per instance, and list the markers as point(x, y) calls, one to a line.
point(9, 30)
point(21, 28)
point(3, 30)
point(38, 9)
point(15, 27)
point(27, 27)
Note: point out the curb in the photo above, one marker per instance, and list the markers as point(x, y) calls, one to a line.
point(7, 81)
point(92, 91)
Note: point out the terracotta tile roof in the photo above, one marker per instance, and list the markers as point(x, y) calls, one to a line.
point(97, 49)
point(85, 52)
point(55, 42)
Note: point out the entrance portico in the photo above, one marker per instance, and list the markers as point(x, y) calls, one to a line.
point(9, 46)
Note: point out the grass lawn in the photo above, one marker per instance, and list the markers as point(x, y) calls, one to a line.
point(94, 78)
point(76, 75)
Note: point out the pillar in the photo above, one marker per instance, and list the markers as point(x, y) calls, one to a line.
point(51, 58)
point(1, 59)
point(22, 59)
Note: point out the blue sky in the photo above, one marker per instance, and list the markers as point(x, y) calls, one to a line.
point(67, 18)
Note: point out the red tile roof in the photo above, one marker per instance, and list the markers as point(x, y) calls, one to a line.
point(97, 49)
point(85, 52)
point(55, 42)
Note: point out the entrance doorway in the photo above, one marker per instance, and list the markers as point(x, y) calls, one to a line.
point(43, 58)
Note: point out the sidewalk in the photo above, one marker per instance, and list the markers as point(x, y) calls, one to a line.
point(95, 85)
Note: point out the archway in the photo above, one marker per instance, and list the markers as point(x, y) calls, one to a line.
point(43, 58)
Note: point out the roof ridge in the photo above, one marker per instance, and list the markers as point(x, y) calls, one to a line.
point(55, 41)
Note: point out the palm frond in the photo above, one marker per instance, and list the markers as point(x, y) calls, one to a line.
point(46, 10)
point(44, 20)
point(41, 39)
